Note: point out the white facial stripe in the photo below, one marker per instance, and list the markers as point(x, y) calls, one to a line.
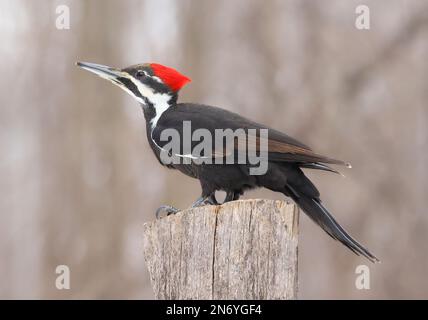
point(114, 81)
point(140, 100)
point(158, 100)
point(156, 79)
point(152, 77)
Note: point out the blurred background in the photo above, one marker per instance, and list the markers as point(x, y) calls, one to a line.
point(77, 176)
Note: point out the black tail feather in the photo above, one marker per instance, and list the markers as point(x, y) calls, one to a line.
point(319, 214)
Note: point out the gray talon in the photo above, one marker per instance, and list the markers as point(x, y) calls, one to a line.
point(168, 209)
point(209, 200)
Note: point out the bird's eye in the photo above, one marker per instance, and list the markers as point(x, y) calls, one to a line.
point(140, 74)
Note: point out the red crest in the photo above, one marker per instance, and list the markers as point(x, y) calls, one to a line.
point(171, 77)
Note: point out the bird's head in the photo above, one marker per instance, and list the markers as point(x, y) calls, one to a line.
point(151, 84)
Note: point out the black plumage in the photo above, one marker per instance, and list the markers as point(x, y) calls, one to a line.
point(157, 88)
point(284, 172)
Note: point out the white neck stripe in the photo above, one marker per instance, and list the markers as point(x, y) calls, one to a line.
point(160, 101)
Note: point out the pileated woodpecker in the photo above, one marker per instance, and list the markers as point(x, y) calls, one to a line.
point(156, 88)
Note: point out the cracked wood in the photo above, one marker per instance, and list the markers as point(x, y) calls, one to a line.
point(244, 249)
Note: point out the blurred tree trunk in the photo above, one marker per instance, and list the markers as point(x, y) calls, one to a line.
point(83, 162)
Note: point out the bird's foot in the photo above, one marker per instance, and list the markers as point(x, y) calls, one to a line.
point(166, 208)
point(203, 201)
point(232, 196)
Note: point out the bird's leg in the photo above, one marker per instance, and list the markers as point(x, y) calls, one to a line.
point(202, 201)
point(231, 196)
point(205, 200)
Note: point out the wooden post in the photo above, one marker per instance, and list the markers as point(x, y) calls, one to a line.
point(245, 249)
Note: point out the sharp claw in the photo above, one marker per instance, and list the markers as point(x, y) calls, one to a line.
point(210, 200)
point(168, 209)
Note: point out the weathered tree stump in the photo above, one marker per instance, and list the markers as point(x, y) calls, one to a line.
point(240, 250)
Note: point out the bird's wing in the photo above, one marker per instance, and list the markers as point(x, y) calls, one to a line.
point(280, 147)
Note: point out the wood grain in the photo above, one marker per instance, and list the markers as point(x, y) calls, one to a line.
point(244, 249)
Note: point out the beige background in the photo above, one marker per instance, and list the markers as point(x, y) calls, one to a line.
point(77, 177)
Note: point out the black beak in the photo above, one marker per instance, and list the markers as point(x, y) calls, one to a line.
point(115, 76)
point(104, 72)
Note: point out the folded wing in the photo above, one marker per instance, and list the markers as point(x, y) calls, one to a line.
point(280, 146)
